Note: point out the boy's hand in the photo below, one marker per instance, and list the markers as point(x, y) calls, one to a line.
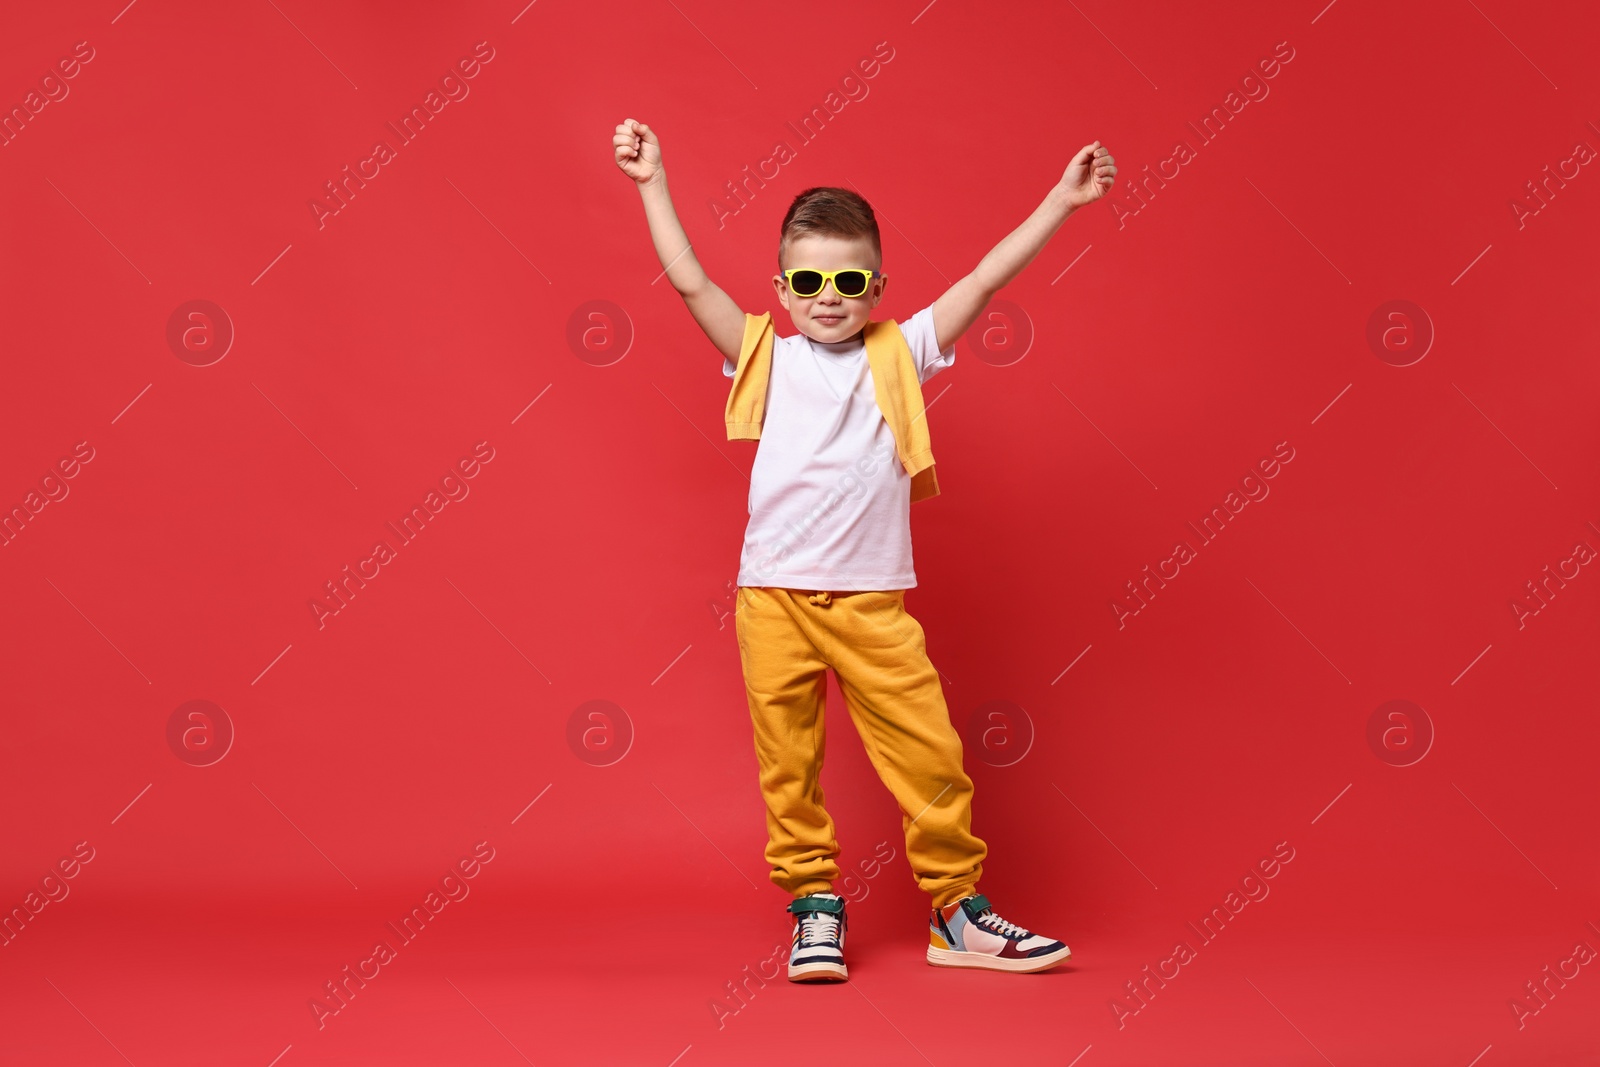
point(1089, 176)
point(638, 152)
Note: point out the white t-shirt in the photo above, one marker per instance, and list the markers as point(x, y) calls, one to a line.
point(830, 502)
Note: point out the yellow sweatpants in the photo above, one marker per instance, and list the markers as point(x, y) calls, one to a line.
point(788, 638)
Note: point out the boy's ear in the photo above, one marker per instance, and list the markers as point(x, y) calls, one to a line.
point(782, 290)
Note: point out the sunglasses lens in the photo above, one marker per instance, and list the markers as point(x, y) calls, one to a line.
point(851, 282)
point(805, 283)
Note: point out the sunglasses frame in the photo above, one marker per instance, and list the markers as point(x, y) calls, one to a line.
point(828, 278)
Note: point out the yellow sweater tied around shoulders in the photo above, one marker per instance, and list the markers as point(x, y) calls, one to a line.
point(894, 381)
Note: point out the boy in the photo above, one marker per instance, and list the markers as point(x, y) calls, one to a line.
point(827, 553)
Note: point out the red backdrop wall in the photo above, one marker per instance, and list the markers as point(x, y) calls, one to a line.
point(1350, 246)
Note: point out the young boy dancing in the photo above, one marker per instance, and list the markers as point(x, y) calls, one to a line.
point(827, 559)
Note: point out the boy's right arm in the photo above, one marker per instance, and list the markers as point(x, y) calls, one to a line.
point(638, 153)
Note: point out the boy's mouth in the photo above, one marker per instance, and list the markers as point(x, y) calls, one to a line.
point(830, 320)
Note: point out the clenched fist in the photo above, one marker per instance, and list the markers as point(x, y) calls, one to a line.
point(1089, 175)
point(638, 151)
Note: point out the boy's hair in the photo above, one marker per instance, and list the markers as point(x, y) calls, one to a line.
point(828, 211)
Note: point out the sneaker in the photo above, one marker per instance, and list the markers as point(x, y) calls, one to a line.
point(817, 954)
point(969, 934)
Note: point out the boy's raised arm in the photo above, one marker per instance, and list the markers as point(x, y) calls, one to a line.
point(1087, 178)
point(638, 153)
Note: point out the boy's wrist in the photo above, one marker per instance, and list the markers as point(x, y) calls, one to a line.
point(1063, 199)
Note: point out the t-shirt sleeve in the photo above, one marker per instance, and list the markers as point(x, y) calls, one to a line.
point(923, 341)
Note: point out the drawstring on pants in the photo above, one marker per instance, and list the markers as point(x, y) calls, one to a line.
point(822, 599)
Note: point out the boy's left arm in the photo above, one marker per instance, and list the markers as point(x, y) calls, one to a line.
point(1087, 178)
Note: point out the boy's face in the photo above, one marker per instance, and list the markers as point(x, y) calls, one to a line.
point(828, 316)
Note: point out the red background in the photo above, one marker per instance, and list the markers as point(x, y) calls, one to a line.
point(594, 556)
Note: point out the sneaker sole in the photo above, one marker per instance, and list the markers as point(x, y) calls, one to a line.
point(818, 972)
point(944, 957)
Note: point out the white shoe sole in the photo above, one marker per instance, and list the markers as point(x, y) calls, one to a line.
point(818, 972)
point(944, 957)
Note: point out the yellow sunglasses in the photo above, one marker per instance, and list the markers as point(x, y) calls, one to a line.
point(851, 281)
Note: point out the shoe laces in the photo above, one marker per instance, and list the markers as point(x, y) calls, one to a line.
point(817, 927)
point(990, 921)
